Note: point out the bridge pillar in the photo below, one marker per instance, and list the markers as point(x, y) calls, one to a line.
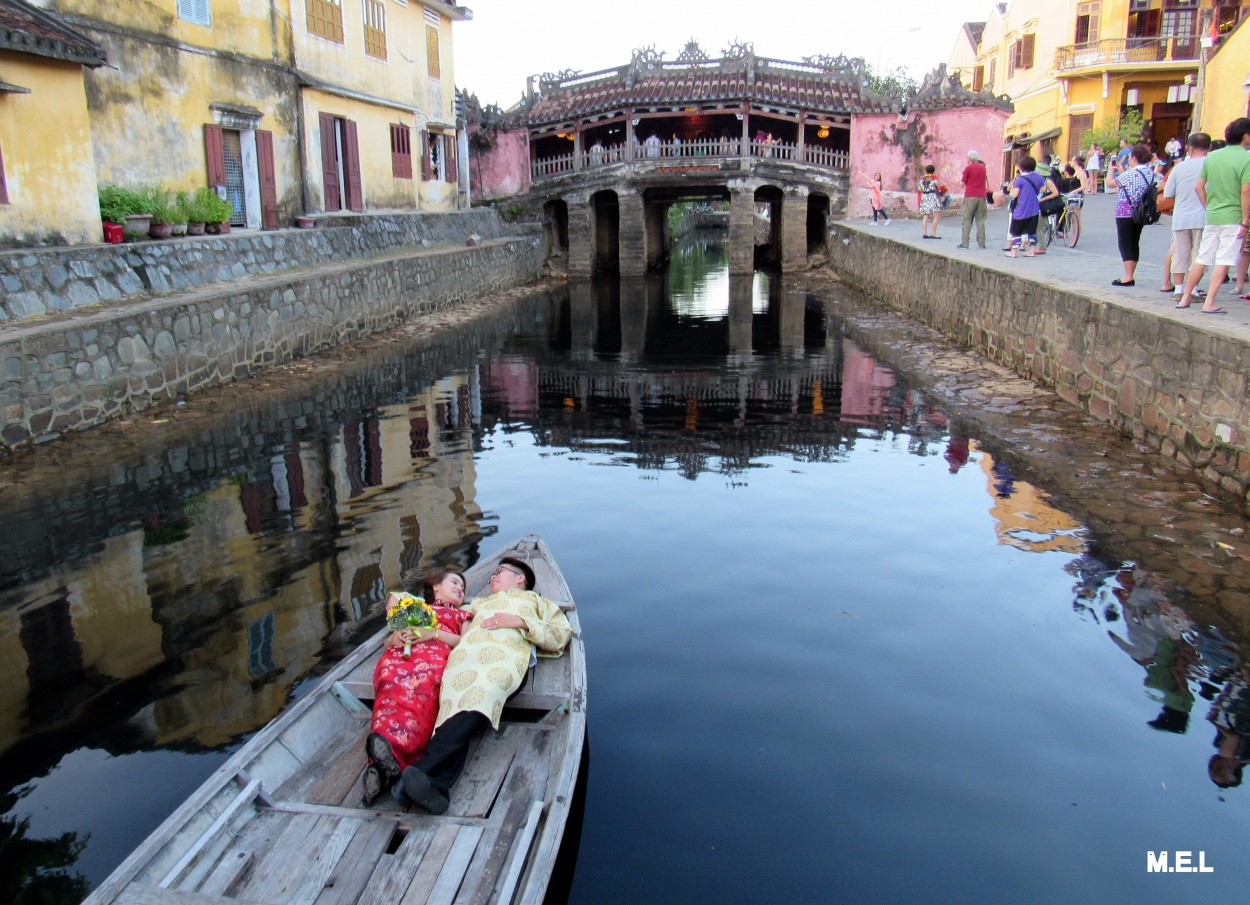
point(632, 235)
point(581, 238)
point(741, 231)
point(794, 230)
point(741, 314)
point(657, 233)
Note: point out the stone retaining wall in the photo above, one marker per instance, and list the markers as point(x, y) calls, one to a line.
point(71, 374)
point(1179, 388)
point(38, 281)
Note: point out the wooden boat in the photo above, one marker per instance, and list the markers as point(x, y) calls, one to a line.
point(281, 821)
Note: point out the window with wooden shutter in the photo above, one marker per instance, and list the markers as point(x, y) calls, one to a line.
point(1027, 45)
point(325, 19)
point(196, 11)
point(978, 78)
point(425, 156)
point(431, 52)
point(1087, 16)
point(1013, 58)
point(375, 28)
point(401, 151)
point(990, 81)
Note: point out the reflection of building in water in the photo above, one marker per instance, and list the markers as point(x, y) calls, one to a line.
point(241, 588)
point(1023, 516)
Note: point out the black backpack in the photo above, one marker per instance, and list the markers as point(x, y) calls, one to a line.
point(1146, 210)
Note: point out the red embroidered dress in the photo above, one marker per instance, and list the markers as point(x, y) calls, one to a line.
point(405, 689)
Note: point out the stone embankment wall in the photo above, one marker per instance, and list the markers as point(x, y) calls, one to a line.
point(1179, 388)
point(46, 280)
point(75, 371)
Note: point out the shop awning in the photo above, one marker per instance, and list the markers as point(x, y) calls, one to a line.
point(1025, 140)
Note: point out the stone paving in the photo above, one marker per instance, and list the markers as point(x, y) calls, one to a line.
point(1088, 269)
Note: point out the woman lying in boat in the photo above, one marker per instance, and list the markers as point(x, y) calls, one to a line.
point(406, 686)
point(486, 667)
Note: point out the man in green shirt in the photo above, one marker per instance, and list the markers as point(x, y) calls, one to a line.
point(1224, 187)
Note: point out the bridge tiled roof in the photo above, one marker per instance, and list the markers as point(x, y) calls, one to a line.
point(802, 87)
point(28, 29)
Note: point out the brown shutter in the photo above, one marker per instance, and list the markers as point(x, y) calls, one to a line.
point(214, 155)
point(1026, 52)
point(449, 148)
point(268, 182)
point(330, 164)
point(978, 78)
point(426, 166)
point(4, 183)
point(351, 167)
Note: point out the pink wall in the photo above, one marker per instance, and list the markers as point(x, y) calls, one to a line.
point(900, 150)
point(502, 170)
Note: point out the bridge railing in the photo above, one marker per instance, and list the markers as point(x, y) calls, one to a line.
point(698, 149)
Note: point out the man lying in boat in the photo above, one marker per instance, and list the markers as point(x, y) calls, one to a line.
point(487, 666)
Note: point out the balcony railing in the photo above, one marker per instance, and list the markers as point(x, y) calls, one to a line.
point(1158, 49)
point(702, 149)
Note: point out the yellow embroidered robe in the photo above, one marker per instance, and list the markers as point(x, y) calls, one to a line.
point(487, 666)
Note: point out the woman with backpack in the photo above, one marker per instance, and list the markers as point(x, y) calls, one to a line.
point(1028, 186)
point(1137, 179)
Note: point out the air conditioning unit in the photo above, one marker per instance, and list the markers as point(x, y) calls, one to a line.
point(1131, 97)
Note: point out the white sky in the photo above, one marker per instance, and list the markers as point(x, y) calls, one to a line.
point(508, 40)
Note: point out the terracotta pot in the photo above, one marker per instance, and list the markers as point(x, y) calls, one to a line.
point(180, 229)
point(161, 230)
point(223, 227)
point(195, 228)
point(305, 222)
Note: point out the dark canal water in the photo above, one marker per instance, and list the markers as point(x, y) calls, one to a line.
point(844, 645)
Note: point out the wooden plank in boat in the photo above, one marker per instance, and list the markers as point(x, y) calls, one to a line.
point(517, 858)
point(526, 781)
point(451, 874)
point(229, 870)
point(331, 768)
point(285, 866)
point(394, 873)
point(431, 865)
point(484, 773)
point(346, 884)
point(142, 894)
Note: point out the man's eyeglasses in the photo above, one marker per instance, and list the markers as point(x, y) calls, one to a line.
point(517, 572)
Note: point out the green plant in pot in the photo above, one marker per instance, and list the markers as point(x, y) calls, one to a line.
point(216, 210)
point(198, 211)
point(182, 201)
point(116, 203)
point(157, 202)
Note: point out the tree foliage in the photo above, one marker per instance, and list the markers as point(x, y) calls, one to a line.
point(37, 871)
point(1130, 127)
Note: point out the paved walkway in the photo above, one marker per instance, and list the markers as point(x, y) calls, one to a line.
point(1088, 269)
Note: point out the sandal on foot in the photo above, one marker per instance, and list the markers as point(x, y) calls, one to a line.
point(1213, 311)
point(1123, 282)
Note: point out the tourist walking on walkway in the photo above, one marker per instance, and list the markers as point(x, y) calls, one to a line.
point(1224, 186)
point(1025, 207)
point(1189, 215)
point(1134, 182)
point(877, 199)
point(1093, 165)
point(929, 195)
point(976, 185)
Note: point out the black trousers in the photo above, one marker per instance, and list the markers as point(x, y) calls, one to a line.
point(449, 748)
point(1128, 234)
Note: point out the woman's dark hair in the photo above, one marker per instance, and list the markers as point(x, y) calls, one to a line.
point(1080, 161)
point(1027, 164)
point(930, 169)
point(1069, 171)
point(523, 568)
point(1141, 153)
point(434, 578)
point(1237, 130)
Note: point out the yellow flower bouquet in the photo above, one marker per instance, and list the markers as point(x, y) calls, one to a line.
point(405, 611)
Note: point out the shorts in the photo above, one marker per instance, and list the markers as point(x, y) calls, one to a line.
point(1184, 243)
point(1220, 246)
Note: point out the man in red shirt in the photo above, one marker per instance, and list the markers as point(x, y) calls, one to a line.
point(975, 189)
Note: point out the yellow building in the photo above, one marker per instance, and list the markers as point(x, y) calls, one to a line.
point(285, 107)
point(1226, 82)
point(47, 174)
point(1070, 65)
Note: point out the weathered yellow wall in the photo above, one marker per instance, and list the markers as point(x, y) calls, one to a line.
point(373, 131)
point(48, 160)
point(256, 28)
point(1226, 75)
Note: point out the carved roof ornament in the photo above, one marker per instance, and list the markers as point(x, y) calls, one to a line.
point(738, 50)
point(938, 90)
point(553, 79)
point(692, 54)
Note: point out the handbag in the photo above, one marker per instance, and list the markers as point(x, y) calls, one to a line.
point(989, 197)
point(1165, 204)
point(1146, 210)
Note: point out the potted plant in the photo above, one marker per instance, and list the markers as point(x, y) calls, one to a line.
point(156, 202)
point(198, 211)
point(181, 203)
point(115, 204)
point(218, 210)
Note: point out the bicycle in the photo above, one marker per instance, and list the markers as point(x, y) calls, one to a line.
point(1066, 224)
